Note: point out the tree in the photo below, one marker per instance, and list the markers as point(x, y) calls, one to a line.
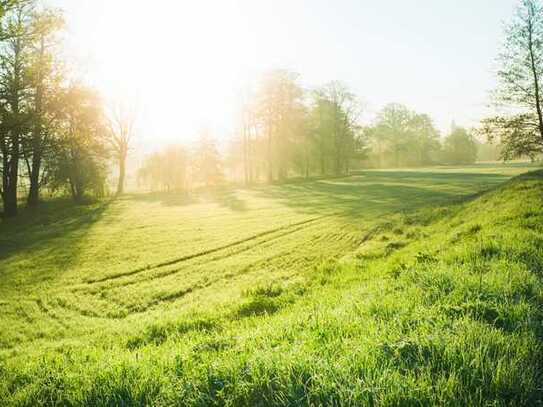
point(207, 161)
point(424, 138)
point(166, 170)
point(14, 93)
point(45, 81)
point(121, 132)
point(337, 114)
point(403, 137)
point(460, 147)
point(391, 131)
point(81, 153)
point(519, 85)
point(248, 133)
point(279, 107)
point(321, 128)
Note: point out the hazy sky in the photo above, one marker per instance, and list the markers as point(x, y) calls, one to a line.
point(185, 61)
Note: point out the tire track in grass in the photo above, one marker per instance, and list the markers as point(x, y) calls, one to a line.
point(50, 313)
point(235, 252)
point(124, 310)
point(202, 253)
point(169, 297)
point(173, 296)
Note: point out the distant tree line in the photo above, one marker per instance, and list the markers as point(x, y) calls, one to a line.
point(176, 168)
point(58, 134)
point(286, 131)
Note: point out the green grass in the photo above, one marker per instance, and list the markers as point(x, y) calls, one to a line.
point(385, 288)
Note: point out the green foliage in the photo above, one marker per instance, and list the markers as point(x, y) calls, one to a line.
point(460, 147)
point(286, 131)
point(207, 166)
point(167, 170)
point(444, 308)
point(335, 128)
point(79, 163)
point(520, 77)
point(401, 137)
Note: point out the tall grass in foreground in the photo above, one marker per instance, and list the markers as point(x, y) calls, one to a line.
point(436, 307)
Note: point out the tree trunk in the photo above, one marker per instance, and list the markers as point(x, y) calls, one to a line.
point(77, 192)
point(122, 174)
point(11, 177)
point(536, 80)
point(10, 200)
point(245, 154)
point(270, 167)
point(34, 192)
point(12, 170)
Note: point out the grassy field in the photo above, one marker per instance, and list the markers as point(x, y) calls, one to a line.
point(412, 287)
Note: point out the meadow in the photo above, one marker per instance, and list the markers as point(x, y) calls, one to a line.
point(387, 287)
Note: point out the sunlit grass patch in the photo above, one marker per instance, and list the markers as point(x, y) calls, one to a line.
point(441, 306)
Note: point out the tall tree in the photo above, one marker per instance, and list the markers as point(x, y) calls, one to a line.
point(403, 137)
point(45, 81)
point(460, 147)
point(80, 160)
point(425, 139)
point(121, 129)
point(520, 84)
point(207, 160)
point(393, 129)
point(248, 130)
point(321, 129)
point(338, 113)
point(279, 106)
point(14, 94)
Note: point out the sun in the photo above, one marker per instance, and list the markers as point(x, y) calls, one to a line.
point(177, 59)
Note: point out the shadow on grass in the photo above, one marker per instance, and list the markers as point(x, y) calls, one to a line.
point(364, 192)
point(164, 198)
point(57, 228)
point(368, 193)
point(225, 196)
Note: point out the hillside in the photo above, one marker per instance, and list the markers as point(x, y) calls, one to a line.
point(386, 288)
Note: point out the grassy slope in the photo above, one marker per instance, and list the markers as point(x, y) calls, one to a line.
point(434, 306)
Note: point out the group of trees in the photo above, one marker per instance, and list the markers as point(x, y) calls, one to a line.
point(54, 131)
point(285, 130)
point(176, 168)
point(321, 138)
point(404, 138)
point(291, 132)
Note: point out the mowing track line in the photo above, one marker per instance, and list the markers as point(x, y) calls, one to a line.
point(203, 253)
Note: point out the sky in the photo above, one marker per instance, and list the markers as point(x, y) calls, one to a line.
point(184, 63)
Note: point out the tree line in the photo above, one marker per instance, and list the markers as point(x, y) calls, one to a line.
point(58, 133)
point(54, 130)
point(287, 131)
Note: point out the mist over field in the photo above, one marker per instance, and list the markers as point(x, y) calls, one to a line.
point(237, 203)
